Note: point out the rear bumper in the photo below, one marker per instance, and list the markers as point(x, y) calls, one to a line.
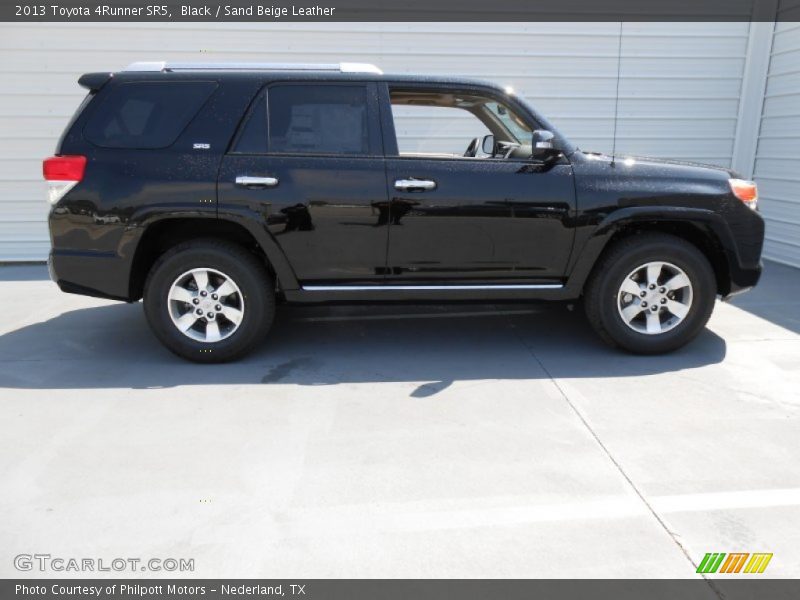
point(98, 274)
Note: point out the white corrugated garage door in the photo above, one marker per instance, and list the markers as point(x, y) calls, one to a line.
point(679, 91)
point(777, 167)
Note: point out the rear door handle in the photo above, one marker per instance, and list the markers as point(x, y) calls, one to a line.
point(414, 185)
point(256, 182)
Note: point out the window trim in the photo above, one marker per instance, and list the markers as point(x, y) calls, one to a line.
point(374, 130)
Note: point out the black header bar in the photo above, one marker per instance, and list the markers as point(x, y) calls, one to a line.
point(397, 10)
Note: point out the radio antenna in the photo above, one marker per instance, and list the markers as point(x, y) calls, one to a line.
point(616, 99)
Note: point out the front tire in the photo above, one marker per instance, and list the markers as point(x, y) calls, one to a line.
point(209, 301)
point(650, 293)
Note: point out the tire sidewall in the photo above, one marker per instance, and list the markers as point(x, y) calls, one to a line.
point(251, 282)
point(703, 283)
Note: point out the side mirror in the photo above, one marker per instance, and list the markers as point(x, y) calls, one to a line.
point(542, 146)
point(488, 145)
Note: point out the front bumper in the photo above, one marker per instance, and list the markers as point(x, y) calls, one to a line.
point(740, 231)
point(743, 280)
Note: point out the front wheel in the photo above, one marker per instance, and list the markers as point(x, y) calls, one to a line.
point(209, 301)
point(650, 293)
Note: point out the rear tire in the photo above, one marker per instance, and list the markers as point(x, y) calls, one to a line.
point(209, 301)
point(650, 293)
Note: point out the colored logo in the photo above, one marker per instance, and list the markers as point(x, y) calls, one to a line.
point(735, 562)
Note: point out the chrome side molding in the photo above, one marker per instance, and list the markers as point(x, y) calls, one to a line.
point(427, 288)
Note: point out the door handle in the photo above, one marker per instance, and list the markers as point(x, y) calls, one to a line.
point(414, 185)
point(256, 182)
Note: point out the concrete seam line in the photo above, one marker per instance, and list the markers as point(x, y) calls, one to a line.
point(613, 460)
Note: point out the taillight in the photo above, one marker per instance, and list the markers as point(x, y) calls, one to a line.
point(62, 174)
point(746, 191)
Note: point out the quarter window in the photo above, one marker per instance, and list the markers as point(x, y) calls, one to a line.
point(146, 114)
point(318, 119)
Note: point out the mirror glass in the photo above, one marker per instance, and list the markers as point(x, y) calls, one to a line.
point(488, 145)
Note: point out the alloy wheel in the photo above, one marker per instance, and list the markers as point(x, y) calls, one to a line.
point(206, 305)
point(655, 298)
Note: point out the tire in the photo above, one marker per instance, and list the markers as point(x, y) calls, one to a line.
point(245, 304)
point(618, 315)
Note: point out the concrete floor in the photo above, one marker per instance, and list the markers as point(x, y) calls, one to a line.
point(468, 441)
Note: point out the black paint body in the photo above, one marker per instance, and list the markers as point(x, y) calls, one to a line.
point(337, 220)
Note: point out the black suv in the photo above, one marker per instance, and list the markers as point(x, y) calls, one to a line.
point(215, 191)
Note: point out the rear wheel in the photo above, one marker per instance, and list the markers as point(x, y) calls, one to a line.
point(209, 300)
point(650, 293)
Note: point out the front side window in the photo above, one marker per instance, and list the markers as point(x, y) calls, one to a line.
point(146, 114)
point(450, 124)
point(424, 130)
point(318, 119)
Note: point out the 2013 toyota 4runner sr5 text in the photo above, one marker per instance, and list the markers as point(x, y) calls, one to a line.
point(215, 191)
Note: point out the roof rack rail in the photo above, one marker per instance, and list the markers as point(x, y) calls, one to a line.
point(162, 66)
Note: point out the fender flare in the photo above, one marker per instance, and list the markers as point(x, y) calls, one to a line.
point(249, 220)
point(255, 224)
point(597, 241)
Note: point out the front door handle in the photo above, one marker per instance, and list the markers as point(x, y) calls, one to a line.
point(414, 185)
point(256, 182)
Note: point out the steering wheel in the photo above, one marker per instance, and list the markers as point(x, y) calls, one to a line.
point(472, 149)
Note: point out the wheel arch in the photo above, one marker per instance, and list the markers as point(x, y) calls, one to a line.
point(162, 234)
point(702, 228)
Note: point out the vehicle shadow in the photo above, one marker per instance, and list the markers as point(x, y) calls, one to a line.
point(432, 346)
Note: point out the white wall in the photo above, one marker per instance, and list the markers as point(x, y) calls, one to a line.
point(777, 166)
point(679, 88)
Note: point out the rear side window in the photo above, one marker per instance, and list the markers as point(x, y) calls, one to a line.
point(318, 119)
point(147, 114)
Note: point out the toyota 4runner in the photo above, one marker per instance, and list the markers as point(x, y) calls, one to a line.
point(215, 191)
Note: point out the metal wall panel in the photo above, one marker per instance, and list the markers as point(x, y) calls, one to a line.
point(679, 88)
point(777, 167)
